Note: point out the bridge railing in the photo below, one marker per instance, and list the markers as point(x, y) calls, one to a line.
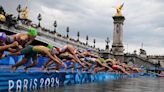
point(47, 37)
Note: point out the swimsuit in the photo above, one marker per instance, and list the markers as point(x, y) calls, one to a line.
point(28, 51)
point(64, 49)
point(65, 56)
point(90, 60)
point(115, 67)
point(11, 39)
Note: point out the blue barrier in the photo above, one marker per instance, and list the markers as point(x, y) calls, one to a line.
point(155, 68)
point(14, 59)
point(7, 61)
point(34, 79)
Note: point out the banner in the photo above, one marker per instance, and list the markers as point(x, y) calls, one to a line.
point(21, 81)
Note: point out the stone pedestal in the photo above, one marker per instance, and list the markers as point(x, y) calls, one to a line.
point(105, 54)
point(117, 46)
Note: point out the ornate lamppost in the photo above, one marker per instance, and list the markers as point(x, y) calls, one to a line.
point(55, 25)
point(78, 35)
point(94, 41)
point(39, 19)
point(19, 11)
point(67, 29)
point(107, 43)
point(87, 38)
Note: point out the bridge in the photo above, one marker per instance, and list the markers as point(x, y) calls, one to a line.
point(137, 60)
point(46, 37)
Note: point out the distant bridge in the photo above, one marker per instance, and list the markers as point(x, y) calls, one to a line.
point(147, 61)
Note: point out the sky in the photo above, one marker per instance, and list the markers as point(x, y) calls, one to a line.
point(144, 22)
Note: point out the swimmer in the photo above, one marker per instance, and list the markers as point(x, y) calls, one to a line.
point(88, 53)
point(69, 49)
point(89, 62)
point(72, 50)
point(64, 57)
point(89, 58)
point(101, 65)
point(115, 65)
point(130, 68)
point(24, 39)
point(3, 45)
point(31, 52)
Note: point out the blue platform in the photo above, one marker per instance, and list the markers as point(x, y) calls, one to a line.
point(35, 78)
point(155, 68)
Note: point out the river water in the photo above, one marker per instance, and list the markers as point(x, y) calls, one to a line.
point(142, 84)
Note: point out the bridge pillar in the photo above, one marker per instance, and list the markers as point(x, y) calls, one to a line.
point(117, 46)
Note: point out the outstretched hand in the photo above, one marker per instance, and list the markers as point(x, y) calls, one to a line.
point(83, 64)
point(63, 64)
point(15, 43)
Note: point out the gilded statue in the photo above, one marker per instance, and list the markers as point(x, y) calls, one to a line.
point(119, 10)
point(25, 13)
point(2, 18)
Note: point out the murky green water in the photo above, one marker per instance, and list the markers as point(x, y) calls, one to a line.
point(142, 84)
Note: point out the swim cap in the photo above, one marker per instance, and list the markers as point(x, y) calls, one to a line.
point(53, 51)
point(89, 50)
point(50, 46)
point(3, 36)
point(32, 32)
point(58, 50)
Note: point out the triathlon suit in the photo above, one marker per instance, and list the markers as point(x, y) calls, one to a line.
point(90, 60)
point(65, 56)
point(102, 60)
point(28, 50)
point(58, 52)
point(115, 67)
point(11, 39)
point(62, 50)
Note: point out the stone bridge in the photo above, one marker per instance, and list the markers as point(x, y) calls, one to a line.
point(134, 59)
point(156, 58)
